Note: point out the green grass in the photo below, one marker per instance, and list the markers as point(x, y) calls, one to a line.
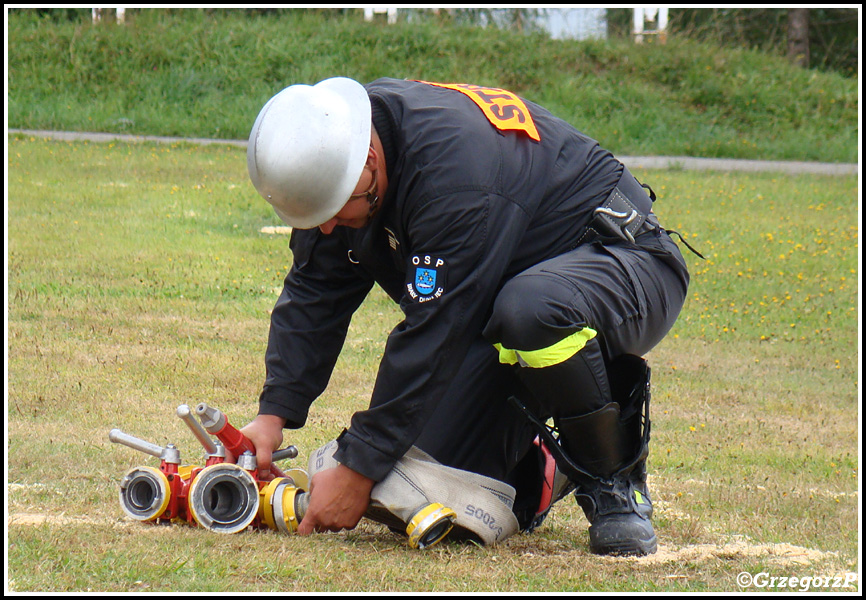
point(193, 74)
point(772, 242)
point(139, 280)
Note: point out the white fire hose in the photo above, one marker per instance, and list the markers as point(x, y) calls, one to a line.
point(420, 488)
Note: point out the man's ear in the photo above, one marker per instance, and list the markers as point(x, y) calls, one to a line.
point(372, 159)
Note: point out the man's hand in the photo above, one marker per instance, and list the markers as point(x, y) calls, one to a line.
point(338, 499)
point(266, 434)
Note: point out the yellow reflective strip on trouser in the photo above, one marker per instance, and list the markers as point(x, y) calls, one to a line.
point(547, 357)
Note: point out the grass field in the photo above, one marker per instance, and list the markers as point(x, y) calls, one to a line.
point(139, 279)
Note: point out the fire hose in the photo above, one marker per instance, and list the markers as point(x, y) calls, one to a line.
point(420, 497)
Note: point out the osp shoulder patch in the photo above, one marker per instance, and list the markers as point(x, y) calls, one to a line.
point(426, 277)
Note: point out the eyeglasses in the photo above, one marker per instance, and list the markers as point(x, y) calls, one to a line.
point(372, 195)
point(371, 191)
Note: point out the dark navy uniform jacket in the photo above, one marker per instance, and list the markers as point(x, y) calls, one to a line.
point(468, 206)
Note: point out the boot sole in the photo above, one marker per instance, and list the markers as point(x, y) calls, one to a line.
point(624, 546)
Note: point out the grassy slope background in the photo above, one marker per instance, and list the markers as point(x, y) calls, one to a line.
point(139, 279)
point(195, 74)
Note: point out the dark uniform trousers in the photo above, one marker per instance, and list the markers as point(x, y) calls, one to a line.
point(629, 294)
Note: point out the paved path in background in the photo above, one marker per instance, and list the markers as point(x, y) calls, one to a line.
point(635, 162)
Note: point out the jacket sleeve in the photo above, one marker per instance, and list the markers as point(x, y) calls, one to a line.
point(474, 234)
point(309, 324)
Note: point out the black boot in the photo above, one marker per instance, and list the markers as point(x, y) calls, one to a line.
point(612, 445)
point(613, 492)
point(604, 453)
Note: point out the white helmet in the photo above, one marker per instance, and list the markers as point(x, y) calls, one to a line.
point(308, 148)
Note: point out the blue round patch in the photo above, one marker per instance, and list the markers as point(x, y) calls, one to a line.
point(425, 278)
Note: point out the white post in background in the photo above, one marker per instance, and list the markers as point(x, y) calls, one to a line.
point(97, 14)
point(638, 20)
point(391, 12)
point(649, 14)
point(663, 25)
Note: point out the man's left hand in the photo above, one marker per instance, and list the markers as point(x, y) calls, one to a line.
point(338, 499)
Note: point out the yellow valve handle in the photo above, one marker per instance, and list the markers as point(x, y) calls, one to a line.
point(185, 471)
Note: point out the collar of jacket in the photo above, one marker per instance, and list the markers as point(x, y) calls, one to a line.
point(386, 129)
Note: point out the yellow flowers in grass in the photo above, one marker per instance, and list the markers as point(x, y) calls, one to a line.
point(780, 251)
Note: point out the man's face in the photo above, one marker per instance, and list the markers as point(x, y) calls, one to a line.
point(356, 212)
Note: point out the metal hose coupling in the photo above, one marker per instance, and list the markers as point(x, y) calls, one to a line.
point(144, 493)
point(284, 503)
point(225, 497)
point(430, 525)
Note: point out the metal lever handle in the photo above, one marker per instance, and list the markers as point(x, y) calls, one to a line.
point(185, 414)
point(287, 452)
point(168, 454)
